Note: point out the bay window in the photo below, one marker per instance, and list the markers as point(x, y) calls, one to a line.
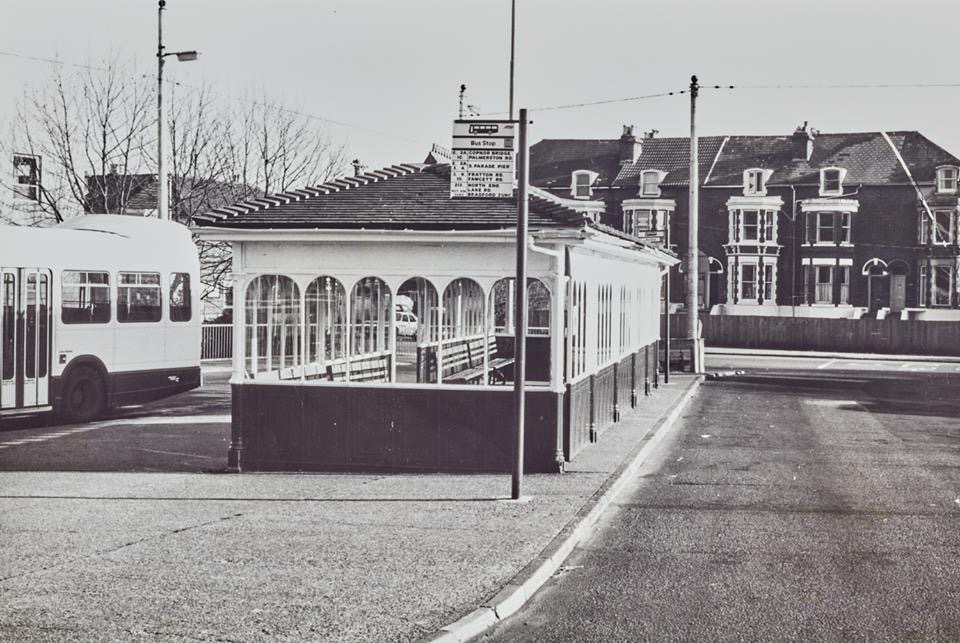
point(942, 285)
point(645, 218)
point(748, 281)
point(754, 225)
point(751, 225)
point(824, 279)
point(830, 227)
point(942, 229)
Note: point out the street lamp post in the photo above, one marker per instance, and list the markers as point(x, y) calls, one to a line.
point(163, 201)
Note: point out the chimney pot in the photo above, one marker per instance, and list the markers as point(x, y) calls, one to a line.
point(630, 147)
point(802, 142)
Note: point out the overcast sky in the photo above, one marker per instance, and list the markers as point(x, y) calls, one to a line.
point(395, 66)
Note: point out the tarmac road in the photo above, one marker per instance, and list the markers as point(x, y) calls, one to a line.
point(791, 506)
point(189, 432)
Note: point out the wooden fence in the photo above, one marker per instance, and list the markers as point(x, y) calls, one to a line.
point(891, 336)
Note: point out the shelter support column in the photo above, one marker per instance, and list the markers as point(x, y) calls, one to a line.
point(558, 345)
point(235, 451)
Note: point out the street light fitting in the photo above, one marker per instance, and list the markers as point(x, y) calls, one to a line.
point(185, 56)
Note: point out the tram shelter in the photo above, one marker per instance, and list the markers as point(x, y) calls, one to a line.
point(322, 381)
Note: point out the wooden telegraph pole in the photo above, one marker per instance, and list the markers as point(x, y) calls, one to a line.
point(693, 221)
point(520, 314)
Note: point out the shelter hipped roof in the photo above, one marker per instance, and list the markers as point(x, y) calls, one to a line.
point(401, 197)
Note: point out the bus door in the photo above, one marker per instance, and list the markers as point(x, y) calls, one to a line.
point(24, 338)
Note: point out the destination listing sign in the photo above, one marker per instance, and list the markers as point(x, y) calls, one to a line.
point(483, 163)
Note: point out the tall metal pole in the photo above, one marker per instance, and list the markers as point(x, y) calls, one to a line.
point(162, 198)
point(693, 222)
point(513, 40)
point(520, 314)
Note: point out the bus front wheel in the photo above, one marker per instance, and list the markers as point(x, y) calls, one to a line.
point(84, 396)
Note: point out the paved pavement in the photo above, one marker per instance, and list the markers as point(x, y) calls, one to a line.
point(93, 553)
point(728, 358)
point(822, 512)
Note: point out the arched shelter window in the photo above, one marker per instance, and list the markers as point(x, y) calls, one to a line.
point(273, 324)
point(503, 314)
point(424, 310)
point(463, 310)
point(326, 302)
point(503, 304)
point(370, 303)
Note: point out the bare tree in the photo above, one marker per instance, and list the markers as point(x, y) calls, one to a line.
point(95, 130)
point(223, 154)
point(95, 123)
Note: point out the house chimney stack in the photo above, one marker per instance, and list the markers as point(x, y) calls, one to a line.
point(630, 147)
point(803, 142)
point(358, 167)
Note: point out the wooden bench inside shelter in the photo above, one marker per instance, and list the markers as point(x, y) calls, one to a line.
point(462, 360)
point(370, 367)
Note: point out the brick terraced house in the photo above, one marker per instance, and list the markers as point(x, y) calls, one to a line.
point(809, 224)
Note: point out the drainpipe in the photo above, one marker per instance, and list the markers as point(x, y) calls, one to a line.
point(796, 253)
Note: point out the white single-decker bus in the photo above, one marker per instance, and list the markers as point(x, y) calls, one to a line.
point(96, 312)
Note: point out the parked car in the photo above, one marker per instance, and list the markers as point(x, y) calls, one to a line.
point(406, 324)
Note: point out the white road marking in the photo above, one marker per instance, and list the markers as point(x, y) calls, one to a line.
point(832, 403)
point(827, 364)
point(188, 455)
point(169, 419)
point(140, 421)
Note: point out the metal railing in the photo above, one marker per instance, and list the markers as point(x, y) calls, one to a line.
point(217, 342)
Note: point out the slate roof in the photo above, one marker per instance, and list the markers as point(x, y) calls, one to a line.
point(552, 161)
point(106, 192)
point(866, 156)
point(670, 155)
point(409, 196)
point(111, 193)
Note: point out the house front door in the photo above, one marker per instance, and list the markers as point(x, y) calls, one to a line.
point(898, 292)
point(879, 289)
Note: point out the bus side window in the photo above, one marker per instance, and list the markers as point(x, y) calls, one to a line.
point(138, 297)
point(85, 297)
point(180, 296)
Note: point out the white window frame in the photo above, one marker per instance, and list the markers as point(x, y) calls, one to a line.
point(755, 282)
point(766, 224)
point(764, 280)
point(755, 182)
point(947, 179)
point(29, 189)
point(841, 175)
point(576, 177)
point(952, 276)
point(845, 228)
point(754, 226)
point(935, 228)
point(924, 283)
point(644, 184)
point(820, 286)
point(842, 273)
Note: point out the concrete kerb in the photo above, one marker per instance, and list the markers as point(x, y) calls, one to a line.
point(532, 577)
point(877, 357)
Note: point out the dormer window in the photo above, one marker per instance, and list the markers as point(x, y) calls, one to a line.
point(831, 181)
point(581, 184)
point(755, 182)
point(947, 179)
point(650, 183)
